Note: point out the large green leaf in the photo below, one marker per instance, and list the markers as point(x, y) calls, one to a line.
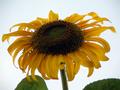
point(38, 84)
point(105, 84)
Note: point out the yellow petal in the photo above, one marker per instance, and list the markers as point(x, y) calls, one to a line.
point(96, 31)
point(69, 67)
point(42, 68)
point(26, 59)
point(17, 43)
point(76, 67)
point(83, 59)
point(16, 33)
point(92, 57)
point(42, 20)
point(82, 22)
point(35, 65)
point(53, 16)
point(97, 51)
point(74, 18)
point(17, 51)
point(47, 65)
point(54, 67)
point(96, 16)
point(93, 14)
point(31, 61)
point(95, 23)
point(35, 24)
point(105, 58)
point(76, 62)
point(103, 42)
point(20, 61)
point(28, 26)
point(90, 69)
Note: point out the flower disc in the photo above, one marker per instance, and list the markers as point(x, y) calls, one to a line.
point(58, 37)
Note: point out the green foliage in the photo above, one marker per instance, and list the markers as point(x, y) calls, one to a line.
point(38, 84)
point(106, 84)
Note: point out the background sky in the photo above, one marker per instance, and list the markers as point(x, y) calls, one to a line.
point(16, 11)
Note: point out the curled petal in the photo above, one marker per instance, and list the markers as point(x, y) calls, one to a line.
point(98, 51)
point(93, 24)
point(84, 60)
point(17, 43)
point(101, 41)
point(92, 57)
point(96, 31)
point(17, 33)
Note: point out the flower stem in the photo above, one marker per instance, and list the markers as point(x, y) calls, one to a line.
point(64, 80)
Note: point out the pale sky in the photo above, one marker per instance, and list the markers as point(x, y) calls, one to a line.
point(16, 11)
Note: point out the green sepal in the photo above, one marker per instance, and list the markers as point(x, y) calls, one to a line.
point(105, 84)
point(30, 84)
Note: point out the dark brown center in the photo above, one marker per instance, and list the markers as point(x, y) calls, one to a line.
point(58, 37)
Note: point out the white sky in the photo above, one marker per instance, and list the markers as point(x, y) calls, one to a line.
point(16, 11)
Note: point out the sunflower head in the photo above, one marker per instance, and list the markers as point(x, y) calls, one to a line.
point(50, 44)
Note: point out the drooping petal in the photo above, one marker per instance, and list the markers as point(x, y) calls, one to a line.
point(42, 69)
point(101, 41)
point(17, 51)
point(17, 43)
point(94, 46)
point(93, 24)
point(54, 67)
point(76, 62)
point(83, 59)
point(96, 31)
point(16, 33)
point(34, 25)
point(35, 64)
point(47, 66)
point(69, 67)
point(92, 57)
point(20, 61)
point(26, 59)
point(98, 51)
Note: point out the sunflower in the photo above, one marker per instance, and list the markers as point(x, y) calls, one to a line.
point(51, 44)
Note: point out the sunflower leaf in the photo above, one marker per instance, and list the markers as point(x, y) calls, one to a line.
point(105, 84)
point(38, 84)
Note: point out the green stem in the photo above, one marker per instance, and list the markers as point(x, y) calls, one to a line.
point(64, 80)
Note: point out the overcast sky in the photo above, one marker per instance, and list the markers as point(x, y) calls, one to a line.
point(16, 11)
